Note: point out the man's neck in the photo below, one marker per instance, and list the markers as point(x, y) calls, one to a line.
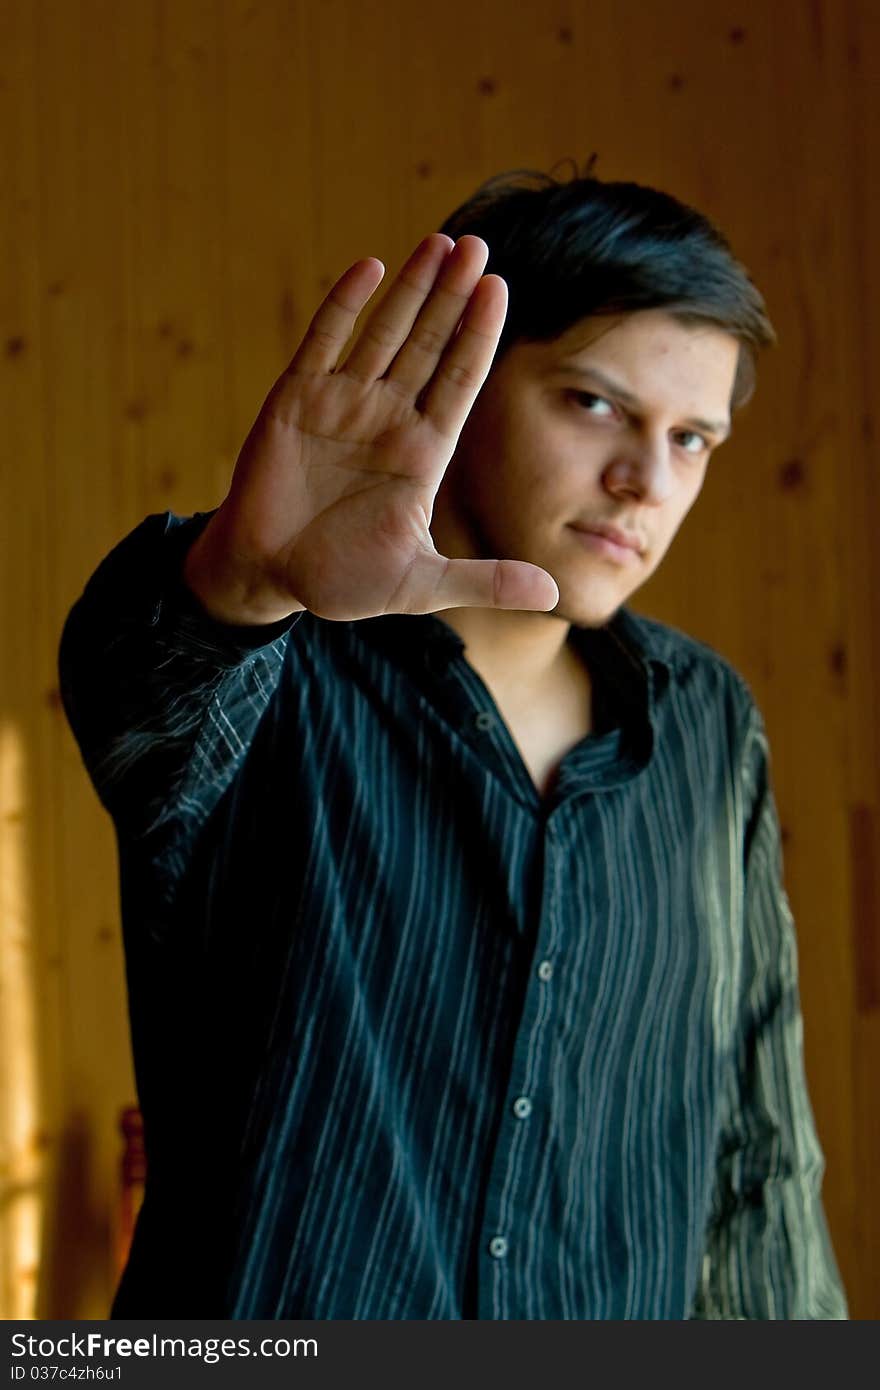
point(520, 655)
point(523, 657)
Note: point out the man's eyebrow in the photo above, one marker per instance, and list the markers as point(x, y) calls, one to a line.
point(720, 428)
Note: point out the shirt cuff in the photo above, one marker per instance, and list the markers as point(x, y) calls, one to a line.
point(182, 619)
point(144, 573)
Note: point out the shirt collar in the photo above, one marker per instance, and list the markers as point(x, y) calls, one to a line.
point(628, 656)
point(630, 662)
point(418, 641)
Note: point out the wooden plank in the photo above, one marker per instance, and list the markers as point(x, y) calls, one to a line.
point(185, 179)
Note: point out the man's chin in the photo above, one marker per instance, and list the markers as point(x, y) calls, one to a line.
point(595, 612)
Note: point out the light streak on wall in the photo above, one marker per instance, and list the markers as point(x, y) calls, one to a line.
point(21, 1160)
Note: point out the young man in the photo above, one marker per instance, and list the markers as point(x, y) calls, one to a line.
point(462, 978)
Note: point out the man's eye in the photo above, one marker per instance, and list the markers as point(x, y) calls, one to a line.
point(590, 401)
point(692, 443)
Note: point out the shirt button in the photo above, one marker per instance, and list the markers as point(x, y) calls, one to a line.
point(545, 970)
point(522, 1107)
point(498, 1247)
point(484, 719)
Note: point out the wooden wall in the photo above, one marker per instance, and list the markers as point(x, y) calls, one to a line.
point(182, 179)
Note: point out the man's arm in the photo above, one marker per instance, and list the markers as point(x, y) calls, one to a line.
point(163, 700)
point(768, 1252)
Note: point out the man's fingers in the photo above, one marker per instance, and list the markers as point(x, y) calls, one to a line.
point(391, 321)
point(333, 324)
point(492, 584)
point(465, 365)
point(433, 329)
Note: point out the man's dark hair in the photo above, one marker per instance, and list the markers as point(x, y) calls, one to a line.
point(571, 249)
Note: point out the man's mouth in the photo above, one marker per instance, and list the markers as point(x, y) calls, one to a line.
point(611, 541)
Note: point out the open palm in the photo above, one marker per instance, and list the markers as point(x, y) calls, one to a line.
point(332, 496)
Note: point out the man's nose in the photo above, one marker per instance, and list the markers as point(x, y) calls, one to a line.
point(642, 468)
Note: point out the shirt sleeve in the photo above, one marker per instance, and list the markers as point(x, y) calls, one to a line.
point(163, 700)
point(768, 1252)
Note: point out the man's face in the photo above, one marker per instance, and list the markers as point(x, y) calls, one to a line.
point(610, 425)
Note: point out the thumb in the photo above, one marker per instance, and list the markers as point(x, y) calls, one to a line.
point(494, 584)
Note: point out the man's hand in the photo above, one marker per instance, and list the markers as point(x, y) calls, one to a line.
point(333, 491)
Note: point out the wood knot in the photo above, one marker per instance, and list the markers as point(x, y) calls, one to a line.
point(792, 475)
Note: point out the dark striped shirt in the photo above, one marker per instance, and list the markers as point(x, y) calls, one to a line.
point(412, 1041)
